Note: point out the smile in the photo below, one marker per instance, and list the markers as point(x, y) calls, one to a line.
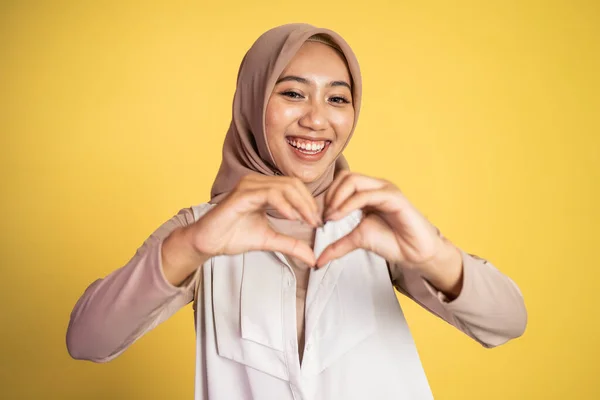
point(308, 146)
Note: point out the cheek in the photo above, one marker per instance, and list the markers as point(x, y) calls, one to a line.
point(272, 127)
point(278, 117)
point(343, 122)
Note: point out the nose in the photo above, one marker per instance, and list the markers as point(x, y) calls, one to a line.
point(314, 116)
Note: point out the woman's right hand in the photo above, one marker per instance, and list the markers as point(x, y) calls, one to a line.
point(239, 224)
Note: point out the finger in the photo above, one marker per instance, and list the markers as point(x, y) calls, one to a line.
point(351, 185)
point(273, 199)
point(300, 204)
point(304, 192)
point(293, 190)
point(340, 247)
point(334, 191)
point(332, 188)
point(290, 246)
point(378, 199)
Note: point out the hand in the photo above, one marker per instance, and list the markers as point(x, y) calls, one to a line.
point(391, 227)
point(239, 223)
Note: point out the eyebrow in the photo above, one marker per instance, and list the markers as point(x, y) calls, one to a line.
point(305, 81)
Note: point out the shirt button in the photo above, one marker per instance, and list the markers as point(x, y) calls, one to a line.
point(289, 282)
point(308, 346)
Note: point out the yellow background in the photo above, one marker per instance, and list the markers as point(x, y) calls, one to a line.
point(486, 114)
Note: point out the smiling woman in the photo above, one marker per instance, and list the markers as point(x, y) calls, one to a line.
point(292, 264)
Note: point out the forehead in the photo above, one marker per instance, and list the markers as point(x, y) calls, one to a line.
point(315, 58)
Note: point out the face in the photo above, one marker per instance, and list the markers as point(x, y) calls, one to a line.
point(310, 113)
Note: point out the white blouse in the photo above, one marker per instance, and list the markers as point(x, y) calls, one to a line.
point(357, 343)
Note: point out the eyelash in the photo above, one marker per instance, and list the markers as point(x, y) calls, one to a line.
point(294, 95)
point(343, 100)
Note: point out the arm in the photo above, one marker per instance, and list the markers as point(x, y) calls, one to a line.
point(475, 297)
point(471, 294)
point(117, 310)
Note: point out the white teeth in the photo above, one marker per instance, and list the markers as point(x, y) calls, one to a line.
point(312, 147)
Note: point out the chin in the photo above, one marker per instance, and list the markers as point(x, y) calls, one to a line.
point(306, 176)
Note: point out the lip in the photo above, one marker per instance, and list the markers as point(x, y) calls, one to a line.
point(313, 139)
point(308, 157)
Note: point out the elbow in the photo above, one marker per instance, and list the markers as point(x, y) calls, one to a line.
point(517, 320)
point(74, 342)
point(517, 323)
point(512, 328)
point(77, 352)
point(80, 347)
point(77, 348)
point(520, 322)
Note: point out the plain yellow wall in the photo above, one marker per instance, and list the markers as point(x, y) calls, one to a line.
point(486, 114)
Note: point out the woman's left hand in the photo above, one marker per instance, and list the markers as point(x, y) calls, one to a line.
point(391, 226)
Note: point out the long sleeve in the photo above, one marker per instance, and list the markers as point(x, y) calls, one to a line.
point(490, 307)
point(115, 311)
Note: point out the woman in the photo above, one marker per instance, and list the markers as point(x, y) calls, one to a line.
point(292, 264)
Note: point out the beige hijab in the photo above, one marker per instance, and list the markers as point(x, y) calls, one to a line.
point(245, 150)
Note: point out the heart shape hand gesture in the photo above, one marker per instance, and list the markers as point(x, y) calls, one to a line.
point(391, 226)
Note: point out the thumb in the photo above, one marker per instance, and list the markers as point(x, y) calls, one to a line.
point(341, 247)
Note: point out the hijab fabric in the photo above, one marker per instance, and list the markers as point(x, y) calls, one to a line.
point(245, 150)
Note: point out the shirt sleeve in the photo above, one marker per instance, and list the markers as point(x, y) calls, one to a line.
point(115, 311)
point(490, 307)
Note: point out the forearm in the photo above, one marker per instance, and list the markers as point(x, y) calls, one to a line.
point(445, 270)
point(180, 258)
point(118, 309)
point(489, 306)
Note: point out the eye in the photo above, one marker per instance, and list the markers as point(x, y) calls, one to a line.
point(292, 95)
point(339, 100)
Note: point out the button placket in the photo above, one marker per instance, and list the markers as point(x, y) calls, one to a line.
point(290, 318)
point(289, 321)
